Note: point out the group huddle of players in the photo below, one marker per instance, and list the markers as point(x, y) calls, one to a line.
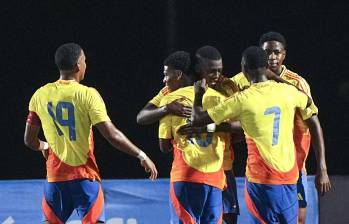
point(276, 121)
point(201, 113)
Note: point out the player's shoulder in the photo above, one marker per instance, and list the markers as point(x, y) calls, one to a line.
point(282, 85)
point(293, 76)
point(237, 77)
point(182, 91)
point(86, 92)
point(185, 92)
point(285, 90)
point(82, 87)
point(42, 90)
point(164, 91)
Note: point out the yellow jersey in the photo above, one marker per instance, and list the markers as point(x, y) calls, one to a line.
point(302, 138)
point(195, 159)
point(157, 99)
point(67, 111)
point(266, 111)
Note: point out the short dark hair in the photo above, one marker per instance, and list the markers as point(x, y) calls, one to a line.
point(272, 36)
point(67, 56)
point(179, 60)
point(255, 57)
point(208, 52)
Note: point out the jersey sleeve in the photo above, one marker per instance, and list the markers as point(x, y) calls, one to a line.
point(309, 111)
point(303, 85)
point(96, 107)
point(157, 99)
point(33, 103)
point(228, 109)
point(312, 109)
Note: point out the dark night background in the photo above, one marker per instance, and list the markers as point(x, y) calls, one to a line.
point(125, 43)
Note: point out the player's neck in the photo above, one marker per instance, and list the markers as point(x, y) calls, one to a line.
point(68, 77)
point(259, 78)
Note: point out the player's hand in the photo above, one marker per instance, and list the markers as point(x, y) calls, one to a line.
point(272, 76)
point(226, 86)
point(200, 87)
point(149, 167)
point(178, 108)
point(322, 182)
point(191, 131)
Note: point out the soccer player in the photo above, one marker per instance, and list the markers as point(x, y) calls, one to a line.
point(67, 110)
point(307, 127)
point(197, 176)
point(266, 111)
point(175, 65)
point(209, 65)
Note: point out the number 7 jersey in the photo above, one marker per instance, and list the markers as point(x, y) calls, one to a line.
point(67, 111)
point(266, 112)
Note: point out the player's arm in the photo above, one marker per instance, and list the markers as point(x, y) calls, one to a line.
point(230, 127)
point(273, 76)
point(31, 139)
point(322, 180)
point(233, 127)
point(117, 139)
point(165, 145)
point(151, 113)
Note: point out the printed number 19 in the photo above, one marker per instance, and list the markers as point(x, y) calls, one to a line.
point(70, 121)
point(276, 125)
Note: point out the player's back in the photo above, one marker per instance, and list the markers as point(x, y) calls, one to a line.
point(267, 117)
point(67, 111)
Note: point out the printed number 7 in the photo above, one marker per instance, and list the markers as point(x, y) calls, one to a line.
point(70, 122)
point(276, 125)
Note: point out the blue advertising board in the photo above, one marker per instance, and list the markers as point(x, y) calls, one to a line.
point(127, 202)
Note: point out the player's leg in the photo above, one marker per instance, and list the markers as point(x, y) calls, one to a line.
point(188, 200)
point(302, 188)
point(173, 216)
point(263, 202)
point(213, 209)
point(57, 203)
point(230, 218)
point(230, 200)
point(302, 215)
point(88, 200)
point(289, 204)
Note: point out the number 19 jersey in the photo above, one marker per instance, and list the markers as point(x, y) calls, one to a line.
point(67, 111)
point(266, 112)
